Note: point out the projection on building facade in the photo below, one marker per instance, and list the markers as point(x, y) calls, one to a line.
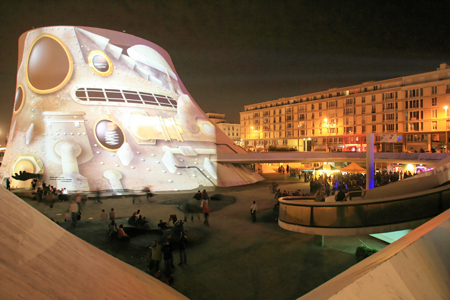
point(102, 110)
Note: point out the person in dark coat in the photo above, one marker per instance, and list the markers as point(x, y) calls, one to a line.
point(168, 258)
point(198, 196)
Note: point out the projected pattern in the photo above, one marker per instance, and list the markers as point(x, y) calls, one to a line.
point(104, 110)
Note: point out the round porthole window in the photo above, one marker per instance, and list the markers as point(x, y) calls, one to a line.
point(19, 100)
point(100, 63)
point(49, 64)
point(109, 134)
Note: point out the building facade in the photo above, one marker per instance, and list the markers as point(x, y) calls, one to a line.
point(216, 117)
point(406, 114)
point(232, 130)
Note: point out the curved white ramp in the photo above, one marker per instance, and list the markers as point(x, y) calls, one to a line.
point(416, 266)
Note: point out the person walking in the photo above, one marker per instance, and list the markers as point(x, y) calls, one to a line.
point(112, 228)
point(98, 196)
point(148, 193)
point(112, 215)
point(253, 209)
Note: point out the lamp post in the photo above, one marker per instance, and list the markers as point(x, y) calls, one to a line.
point(446, 131)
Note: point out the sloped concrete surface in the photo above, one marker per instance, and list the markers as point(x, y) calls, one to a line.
point(416, 266)
point(40, 260)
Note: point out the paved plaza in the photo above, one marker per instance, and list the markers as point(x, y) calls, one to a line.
point(233, 258)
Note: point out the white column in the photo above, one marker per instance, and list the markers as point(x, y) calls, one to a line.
point(114, 177)
point(370, 158)
point(71, 179)
point(68, 151)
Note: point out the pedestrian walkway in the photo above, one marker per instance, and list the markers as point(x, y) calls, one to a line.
point(233, 258)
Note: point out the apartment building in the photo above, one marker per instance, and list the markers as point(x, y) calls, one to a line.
point(216, 118)
point(406, 114)
point(232, 130)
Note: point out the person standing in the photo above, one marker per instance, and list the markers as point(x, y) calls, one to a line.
point(198, 196)
point(112, 215)
point(73, 209)
point(104, 215)
point(64, 193)
point(39, 193)
point(205, 207)
point(205, 195)
point(253, 209)
point(168, 258)
point(156, 256)
point(8, 184)
point(33, 185)
point(182, 247)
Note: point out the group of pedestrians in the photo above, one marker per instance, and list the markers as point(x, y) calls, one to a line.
point(164, 252)
point(204, 205)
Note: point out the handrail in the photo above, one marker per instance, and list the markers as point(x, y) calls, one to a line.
point(293, 212)
point(217, 144)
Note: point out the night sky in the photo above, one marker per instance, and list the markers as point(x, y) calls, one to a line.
point(232, 53)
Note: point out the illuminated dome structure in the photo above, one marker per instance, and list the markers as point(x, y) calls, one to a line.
point(97, 109)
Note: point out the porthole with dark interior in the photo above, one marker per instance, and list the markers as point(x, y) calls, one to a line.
point(49, 64)
point(100, 63)
point(109, 134)
point(19, 100)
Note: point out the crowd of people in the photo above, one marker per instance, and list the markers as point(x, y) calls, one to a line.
point(381, 178)
point(341, 186)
